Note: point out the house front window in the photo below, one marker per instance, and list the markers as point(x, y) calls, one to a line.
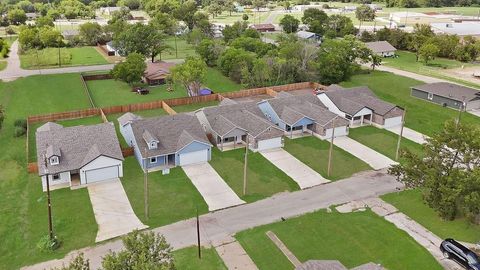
point(430, 96)
point(153, 160)
point(56, 177)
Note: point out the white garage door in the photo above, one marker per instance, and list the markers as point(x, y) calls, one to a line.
point(269, 144)
point(193, 157)
point(392, 122)
point(101, 174)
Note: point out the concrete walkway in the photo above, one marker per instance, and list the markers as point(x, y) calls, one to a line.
point(410, 134)
point(376, 160)
point(283, 248)
point(218, 225)
point(305, 176)
point(216, 193)
point(234, 256)
point(112, 210)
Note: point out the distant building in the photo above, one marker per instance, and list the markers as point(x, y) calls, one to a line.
point(449, 95)
point(110, 10)
point(263, 27)
point(111, 50)
point(308, 36)
point(382, 48)
point(470, 28)
point(70, 34)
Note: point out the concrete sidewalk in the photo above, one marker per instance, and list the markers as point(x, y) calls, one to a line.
point(376, 160)
point(216, 193)
point(113, 212)
point(410, 134)
point(233, 255)
point(218, 225)
point(305, 176)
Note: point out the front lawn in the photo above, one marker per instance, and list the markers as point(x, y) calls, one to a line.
point(194, 106)
point(263, 178)
point(411, 203)
point(406, 61)
point(172, 197)
point(187, 259)
point(353, 239)
point(182, 51)
point(314, 153)
point(383, 141)
point(48, 57)
point(422, 116)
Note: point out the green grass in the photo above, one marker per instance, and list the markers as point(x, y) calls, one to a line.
point(111, 92)
point(3, 65)
point(314, 153)
point(383, 141)
point(410, 202)
point(253, 17)
point(48, 58)
point(187, 259)
point(353, 239)
point(422, 116)
point(183, 49)
point(263, 178)
point(172, 197)
point(194, 106)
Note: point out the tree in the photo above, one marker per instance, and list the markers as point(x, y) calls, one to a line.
point(428, 52)
point(375, 60)
point(17, 16)
point(420, 35)
point(232, 59)
point(210, 50)
point(286, 5)
point(131, 70)
point(258, 4)
point(190, 74)
point(91, 33)
point(50, 37)
point(28, 38)
point(289, 24)
point(339, 26)
point(2, 115)
point(186, 12)
point(448, 173)
point(231, 32)
point(145, 250)
point(469, 50)
point(317, 20)
point(44, 21)
point(364, 13)
point(78, 263)
point(447, 44)
point(245, 17)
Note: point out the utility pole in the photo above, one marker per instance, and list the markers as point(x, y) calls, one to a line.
point(397, 153)
point(176, 48)
point(245, 169)
point(145, 185)
point(330, 151)
point(460, 111)
point(198, 237)
point(49, 204)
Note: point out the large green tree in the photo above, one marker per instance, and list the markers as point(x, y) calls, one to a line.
point(428, 52)
point(316, 19)
point(131, 70)
point(190, 74)
point(210, 50)
point(289, 24)
point(364, 13)
point(91, 33)
point(17, 16)
point(448, 173)
point(420, 35)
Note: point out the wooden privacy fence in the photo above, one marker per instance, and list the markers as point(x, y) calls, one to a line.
point(157, 104)
point(246, 93)
point(127, 152)
point(190, 100)
point(92, 77)
point(168, 109)
point(63, 115)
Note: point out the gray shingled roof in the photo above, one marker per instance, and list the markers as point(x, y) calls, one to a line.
point(450, 90)
point(76, 146)
point(292, 109)
point(352, 100)
point(227, 101)
point(246, 116)
point(173, 132)
point(380, 46)
point(127, 118)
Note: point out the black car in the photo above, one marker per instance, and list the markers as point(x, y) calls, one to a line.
point(453, 250)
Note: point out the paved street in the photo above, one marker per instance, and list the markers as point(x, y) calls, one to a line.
point(219, 225)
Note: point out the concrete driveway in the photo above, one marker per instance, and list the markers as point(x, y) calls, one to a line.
point(302, 174)
point(376, 160)
point(410, 134)
point(112, 210)
point(216, 193)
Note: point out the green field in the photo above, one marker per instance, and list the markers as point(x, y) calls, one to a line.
point(314, 153)
point(171, 197)
point(253, 17)
point(353, 239)
point(410, 202)
point(422, 116)
point(383, 141)
point(187, 259)
point(263, 178)
point(48, 58)
point(3, 65)
point(179, 51)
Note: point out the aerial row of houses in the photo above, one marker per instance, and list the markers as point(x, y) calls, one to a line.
point(75, 156)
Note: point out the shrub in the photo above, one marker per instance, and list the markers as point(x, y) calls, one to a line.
point(20, 123)
point(45, 244)
point(19, 131)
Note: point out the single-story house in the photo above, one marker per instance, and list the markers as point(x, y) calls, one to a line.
point(302, 114)
point(263, 27)
point(360, 106)
point(382, 48)
point(161, 143)
point(110, 10)
point(449, 95)
point(157, 72)
point(233, 124)
point(79, 155)
point(111, 50)
point(308, 35)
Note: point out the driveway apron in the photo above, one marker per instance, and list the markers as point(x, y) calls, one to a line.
point(376, 160)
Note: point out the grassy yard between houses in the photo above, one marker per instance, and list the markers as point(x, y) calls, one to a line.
point(314, 153)
point(111, 92)
point(422, 116)
point(263, 178)
point(48, 58)
point(351, 238)
point(194, 106)
point(172, 197)
point(383, 141)
point(183, 49)
point(410, 202)
point(187, 259)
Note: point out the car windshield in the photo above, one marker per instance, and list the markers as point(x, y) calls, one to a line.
point(472, 258)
